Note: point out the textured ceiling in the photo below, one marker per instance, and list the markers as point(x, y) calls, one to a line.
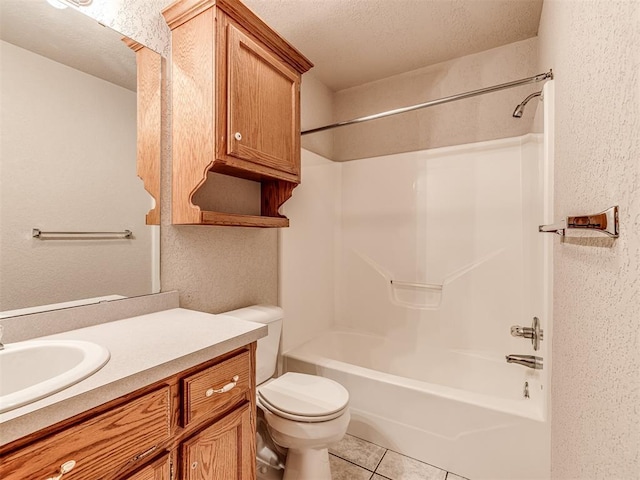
point(352, 42)
point(68, 37)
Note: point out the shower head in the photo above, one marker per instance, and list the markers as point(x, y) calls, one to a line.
point(517, 113)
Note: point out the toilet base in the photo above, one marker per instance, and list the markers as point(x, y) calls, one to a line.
point(307, 464)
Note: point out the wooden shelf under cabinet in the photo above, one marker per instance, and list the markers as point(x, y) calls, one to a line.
point(233, 219)
point(235, 108)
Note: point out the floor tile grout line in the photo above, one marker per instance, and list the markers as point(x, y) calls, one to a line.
point(375, 471)
point(382, 476)
point(372, 443)
point(381, 458)
point(367, 442)
point(419, 461)
point(353, 463)
point(388, 449)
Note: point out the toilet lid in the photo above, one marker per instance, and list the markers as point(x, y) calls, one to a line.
point(301, 395)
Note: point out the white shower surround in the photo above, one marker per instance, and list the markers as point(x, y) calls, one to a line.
point(425, 367)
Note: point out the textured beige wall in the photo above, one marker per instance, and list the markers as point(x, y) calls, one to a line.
point(593, 47)
point(316, 105)
point(481, 118)
point(138, 19)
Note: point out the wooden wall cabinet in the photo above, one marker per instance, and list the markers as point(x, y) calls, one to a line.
point(235, 108)
point(179, 428)
point(149, 122)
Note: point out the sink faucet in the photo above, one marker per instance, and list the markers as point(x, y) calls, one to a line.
point(530, 361)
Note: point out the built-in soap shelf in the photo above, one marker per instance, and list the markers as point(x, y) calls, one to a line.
point(421, 295)
point(416, 295)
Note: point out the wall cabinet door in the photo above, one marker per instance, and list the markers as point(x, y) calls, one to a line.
point(224, 450)
point(263, 106)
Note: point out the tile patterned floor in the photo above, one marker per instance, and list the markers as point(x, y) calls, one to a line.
point(357, 459)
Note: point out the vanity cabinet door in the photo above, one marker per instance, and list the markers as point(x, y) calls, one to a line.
point(263, 107)
point(158, 470)
point(224, 450)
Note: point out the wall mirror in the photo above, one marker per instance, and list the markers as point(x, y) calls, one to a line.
point(68, 162)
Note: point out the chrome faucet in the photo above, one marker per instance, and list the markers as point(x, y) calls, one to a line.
point(530, 361)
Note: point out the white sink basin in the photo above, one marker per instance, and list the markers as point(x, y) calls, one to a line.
point(35, 369)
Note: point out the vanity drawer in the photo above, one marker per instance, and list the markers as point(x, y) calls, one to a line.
point(216, 386)
point(100, 446)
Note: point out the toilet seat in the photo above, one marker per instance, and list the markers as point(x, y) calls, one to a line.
point(304, 398)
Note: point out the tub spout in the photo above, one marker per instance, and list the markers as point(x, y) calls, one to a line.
point(530, 361)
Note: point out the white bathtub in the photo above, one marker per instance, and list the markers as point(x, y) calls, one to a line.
point(461, 411)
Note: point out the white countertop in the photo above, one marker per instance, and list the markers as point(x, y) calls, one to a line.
point(144, 350)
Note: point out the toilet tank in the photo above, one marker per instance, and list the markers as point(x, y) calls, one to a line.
point(267, 352)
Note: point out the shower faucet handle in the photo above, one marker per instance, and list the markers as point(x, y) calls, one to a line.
point(518, 331)
point(534, 332)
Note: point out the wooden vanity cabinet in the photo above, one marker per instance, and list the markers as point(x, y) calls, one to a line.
point(235, 108)
point(148, 434)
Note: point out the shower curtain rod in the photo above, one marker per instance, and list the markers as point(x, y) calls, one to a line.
point(460, 96)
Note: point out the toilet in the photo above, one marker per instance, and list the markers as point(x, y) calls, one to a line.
point(304, 413)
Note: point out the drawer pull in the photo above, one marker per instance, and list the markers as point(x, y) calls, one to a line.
point(144, 454)
point(66, 467)
point(226, 388)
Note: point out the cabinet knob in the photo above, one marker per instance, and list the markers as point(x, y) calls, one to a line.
point(226, 388)
point(237, 136)
point(66, 467)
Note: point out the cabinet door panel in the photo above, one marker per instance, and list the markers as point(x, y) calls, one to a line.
point(262, 106)
point(221, 451)
point(158, 470)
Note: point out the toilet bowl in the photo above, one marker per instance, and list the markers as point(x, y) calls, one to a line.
point(304, 413)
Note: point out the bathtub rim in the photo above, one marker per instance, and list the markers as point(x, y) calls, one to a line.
point(535, 412)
